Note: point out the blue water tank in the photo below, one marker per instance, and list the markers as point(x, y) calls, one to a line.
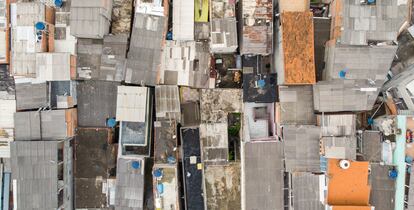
point(371, 1)
point(157, 173)
point(40, 26)
point(171, 159)
point(58, 3)
point(160, 188)
point(393, 174)
point(136, 165)
point(408, 159)
point(370, 121)
point(169, 35)
point(342, 74)
point(111, 122)
point(261, 83)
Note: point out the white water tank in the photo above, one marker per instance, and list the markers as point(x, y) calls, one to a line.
point(344, 164)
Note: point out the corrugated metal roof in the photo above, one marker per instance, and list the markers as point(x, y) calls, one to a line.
point(47, 125)
point(257, 27)
point(186, 63)
point(356, 24)
point(306, 191)
point(371, 147)
point(27, 13)
point(131, 104)
point(165, 141)
point(183, 20)
point(359, 62)
point(337, 124)
point(223, 26)
point(55, 67)
point(301, 148)
point(129, 184)
point(145, 54)
point(223, 35)
point(345, 95)
point(88, 60)
point(90, 19)
point(296, 105)
point(113, 58)
point(35, 168)
point(339, 147)
point(298, 48)
point(262, 181)
point(214, 143)
point(167, 103)
point(7, 110)
point(383, 188)
point(31, 95)
point(96, 102)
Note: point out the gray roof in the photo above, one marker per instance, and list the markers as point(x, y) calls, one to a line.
point(262, 178)
point(27, 126)
point(129, 193)
point(88, 59)
point(35, 167)
point(337, 124)
point(371, 147)
point(31, 95)
point(165, 141)
point(256, 27)
point(96, 102)
point(167, 103)
point(345, 95)
point(93, 171)
point(301, 148)
point(46, 125)
point(201, 30)
point(362, 23)
point(214, 143)
point(222, 186)
point(96, 141)
point(144, 56)
point(343, 147)
point(216, 103)
point(305, 191)
point(382, 187)
point(322, 30)
point(359, 62)
point(113, 58)
point(190, 114)
point(223, 35)
point(186, 63)
point(90, 19)
point(296, 105)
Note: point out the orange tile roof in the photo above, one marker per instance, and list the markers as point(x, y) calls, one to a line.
point(298, 48)
point(348, 187)
point(351, 207)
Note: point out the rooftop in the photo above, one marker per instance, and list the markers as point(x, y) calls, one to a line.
point(343, 188)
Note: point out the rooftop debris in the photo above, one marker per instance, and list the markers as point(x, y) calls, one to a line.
point(256, 27)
